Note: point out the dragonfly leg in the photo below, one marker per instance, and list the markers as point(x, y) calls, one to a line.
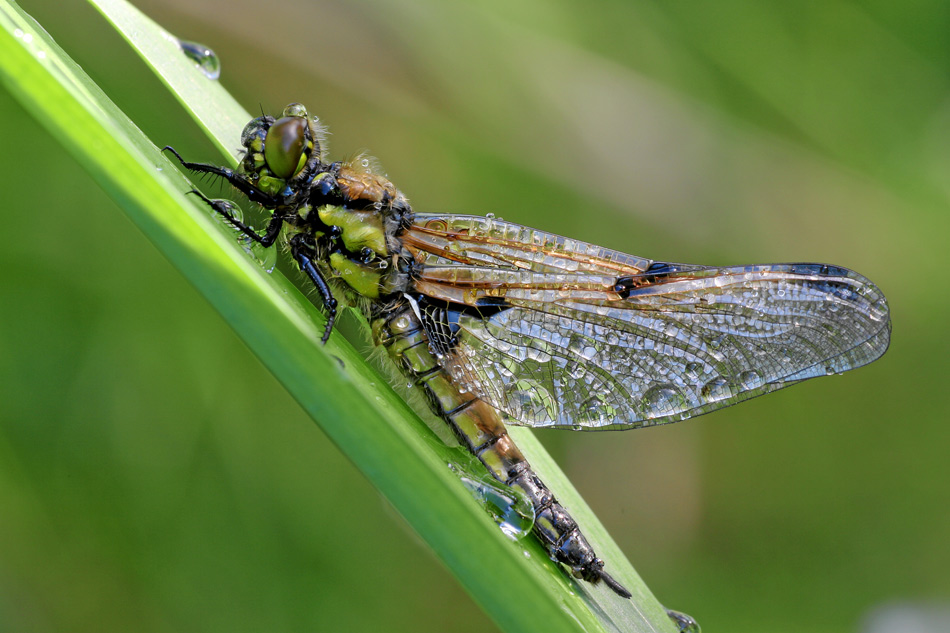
point(305, 255)
point(240, 181)
point(223, 208)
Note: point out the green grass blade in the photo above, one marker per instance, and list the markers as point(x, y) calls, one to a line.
point(362, 415)
point(212, 107)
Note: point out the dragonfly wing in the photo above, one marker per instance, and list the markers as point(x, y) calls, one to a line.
point(560, 333)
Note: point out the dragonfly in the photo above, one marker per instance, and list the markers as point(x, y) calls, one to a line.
point(499, 324)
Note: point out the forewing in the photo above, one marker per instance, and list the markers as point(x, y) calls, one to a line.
point(564, 333)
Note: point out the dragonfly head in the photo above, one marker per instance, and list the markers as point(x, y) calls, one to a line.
point(283, 155)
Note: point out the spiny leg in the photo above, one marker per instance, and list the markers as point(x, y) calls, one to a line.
point(304, 255)
point(237, 179)
point(223, 208)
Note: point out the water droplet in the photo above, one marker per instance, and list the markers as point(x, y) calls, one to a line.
point(750, 380)
point(236, 212)
point(717, 389)
point(661, 401)
point(365, 162)
point(535, 352)
point(693, 370)
point(684, 623)
point(577, 371)
point(597, 411)
point(508, 506)
point(527, 399)
point(204, 58)
point(266, 257)
point(490, 216)
point(878, 310)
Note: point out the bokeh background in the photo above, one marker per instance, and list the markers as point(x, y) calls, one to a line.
point(153, 477)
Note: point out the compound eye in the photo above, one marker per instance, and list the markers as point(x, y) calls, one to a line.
point(284, 146)
point(254, 130)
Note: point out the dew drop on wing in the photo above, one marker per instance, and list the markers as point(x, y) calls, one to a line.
point(205, 59)
point(596, 411)
point(528, 398)
point(662, 400)
point(716, 389)
point(693, 370)
point(750, 380)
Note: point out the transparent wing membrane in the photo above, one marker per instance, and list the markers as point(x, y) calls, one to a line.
point(589, 338)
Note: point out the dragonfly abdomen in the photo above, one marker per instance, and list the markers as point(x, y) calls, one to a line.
point(479, 428)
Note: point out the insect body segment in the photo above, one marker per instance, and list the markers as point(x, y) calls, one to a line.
point(499, 323)
point(479, 428)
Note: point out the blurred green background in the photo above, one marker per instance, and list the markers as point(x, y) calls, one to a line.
point(139, 488)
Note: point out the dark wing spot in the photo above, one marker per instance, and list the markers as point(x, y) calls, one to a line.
point(655, 274)
point(440, 319)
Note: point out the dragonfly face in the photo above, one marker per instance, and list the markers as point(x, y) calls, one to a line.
point(500, 323)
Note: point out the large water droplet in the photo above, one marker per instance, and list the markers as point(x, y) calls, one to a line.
point(750, 380)
point(528, 399)
point(236, 212)
point(662, 400)
point(693, 370)
point(205, 59)
point(597, 411)
point(878, 310)
point(684, 623)
point(577, 371)
point(717, 389)
point(509, 507)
